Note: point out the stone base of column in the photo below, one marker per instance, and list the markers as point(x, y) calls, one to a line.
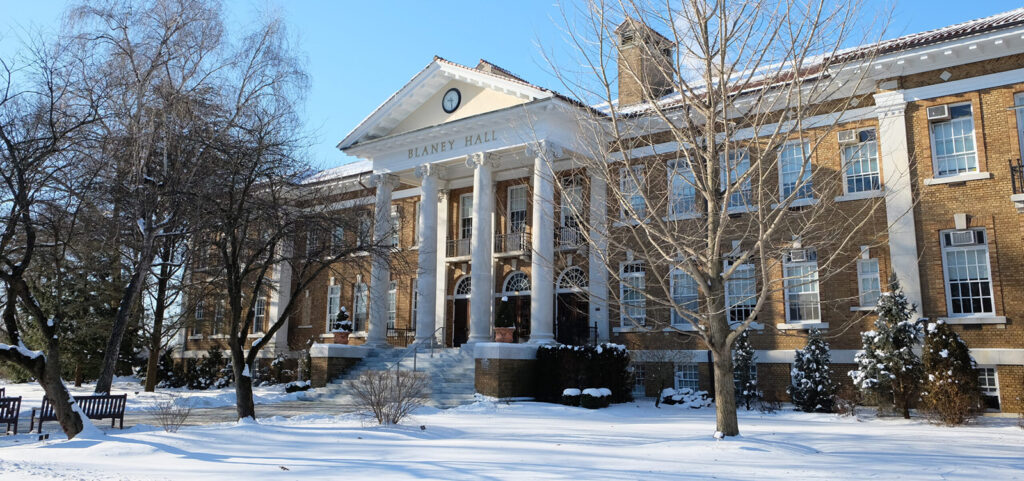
point(329, 361)
point(505, 371)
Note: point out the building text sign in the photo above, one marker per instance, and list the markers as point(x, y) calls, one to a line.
point(447, 145)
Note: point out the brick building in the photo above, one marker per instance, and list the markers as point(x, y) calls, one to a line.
point(460, 154)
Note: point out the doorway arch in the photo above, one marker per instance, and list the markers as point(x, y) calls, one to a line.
point(572, 307)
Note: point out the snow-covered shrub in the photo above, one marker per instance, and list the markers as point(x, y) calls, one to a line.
point(685, 397)
point(571, 397)
point(889, 368)
point(296, 386)
point(744, 365)
point(562, 366)
point(811, 387)
point(389, 395)
point(169, 374)
point(951, 394)
point(595, 398)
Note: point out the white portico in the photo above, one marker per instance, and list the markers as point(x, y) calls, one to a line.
point(451, 128)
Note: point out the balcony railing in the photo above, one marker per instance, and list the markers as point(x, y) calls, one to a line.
point(569, 237)
point(1017, 176)
point(458, 247)
point(514, 242)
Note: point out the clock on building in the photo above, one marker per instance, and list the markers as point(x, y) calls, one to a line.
point(451, 100)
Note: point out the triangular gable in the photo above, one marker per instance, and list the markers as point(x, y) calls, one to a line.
point(417, 104)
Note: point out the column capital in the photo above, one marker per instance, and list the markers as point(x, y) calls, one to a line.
point(384, 178)
point(547, 150)
point(430, 170)
point(890, 104)
point(480, 159)
point(442, 194)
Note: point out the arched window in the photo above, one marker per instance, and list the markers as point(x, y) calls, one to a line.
point(516, 282)
point(463, 287)
point(572, 279)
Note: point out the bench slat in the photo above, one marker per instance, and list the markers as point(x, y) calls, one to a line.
point(95, 407)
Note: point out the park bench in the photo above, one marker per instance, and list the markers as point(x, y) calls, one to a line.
point(100, 406)
point(2, 390)
point(9, 409)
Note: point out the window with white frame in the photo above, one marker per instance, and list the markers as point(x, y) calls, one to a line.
point(687, 376)
point(200, 310)
point(218, 318)
point(312, 243)
point(337, 239)
point(516, 209)
point(465, 216)
point(860, 161)
point(682, 189)
point(988, 383)
point(396, 226)
point(869, 284)
point(631, 187)
point(392, 304)
point(571, 207)
point(795, 171)
point(953, 148)
point(365, 229)
point(966, 268)
point(197, 319)
point(740, 292)
point(684, 295)
point(639, 379)
point(631, 292)
point(414, 306)
point(333, 306)
point(259, 315)
point(733, 168)
point(360, 306)
point(800, 268)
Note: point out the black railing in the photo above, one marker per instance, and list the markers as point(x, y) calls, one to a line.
point(569, 237)
point(514, 242)
point(400, 337)
point(458, 247)
point(1017, 176)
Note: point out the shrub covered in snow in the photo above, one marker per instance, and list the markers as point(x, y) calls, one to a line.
point(889, 368)
point(595, 398)
point(744, 366)
point(811, 387)
point(571, 396)
point(561, 367)
point(951, 394)
point(685, 397)
point(296, 386)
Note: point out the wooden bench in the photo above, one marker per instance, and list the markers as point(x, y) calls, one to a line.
point(10, 407)
point(2, 389)
point(95, 407)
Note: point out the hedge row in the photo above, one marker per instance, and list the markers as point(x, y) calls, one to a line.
point(561, 367)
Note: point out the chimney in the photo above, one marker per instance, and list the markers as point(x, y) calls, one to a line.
point(645, 63)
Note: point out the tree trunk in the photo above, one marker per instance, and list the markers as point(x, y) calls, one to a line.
point(156, 337)
point(124, 312)
point(78, 375)
point(69, 420)
point(244, 404)
point(725, 393)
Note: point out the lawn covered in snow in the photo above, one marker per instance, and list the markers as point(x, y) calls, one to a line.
point(139, 400)
point(526, 441)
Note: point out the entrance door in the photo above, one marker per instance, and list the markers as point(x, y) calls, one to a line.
point(460, 320)
point(572, 324)
point(520, 317)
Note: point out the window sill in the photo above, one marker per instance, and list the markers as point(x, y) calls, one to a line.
point(862, 308)
point(797, 203)
point(625, 330)
point(802, 326)
point(871, 194)
point(953, 179)
point(974, 320)
point(304, 327)
point(218, 336)
point(688, 327)
point(692, 215)
point(741, 209)
point(254, 336)
point(629, 223)
point(195, 337)
point(457, 258)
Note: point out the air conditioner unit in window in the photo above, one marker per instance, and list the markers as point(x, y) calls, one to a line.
point(938, 112)
point(961, 238)
point(798, 255)
point(847, 137)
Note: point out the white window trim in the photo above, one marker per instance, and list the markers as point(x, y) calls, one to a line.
point(256, 322)
point(330, 317)
point(625, 322)
point(956, 178)
point(462, 201)
point(936, 178)
point(355, 302)
point(728, 305)
point(869, 194)
point(860, 277)
point(571, 183)
point(675, 319)
point(639, 179)
point(789, 324)
point(742, 154)
point(676, 371)
point(392, 322)
point(675, 171)
point(808, 172)
point(972, 318)
point(508, 207)
point(995, 377)
point(866, 194)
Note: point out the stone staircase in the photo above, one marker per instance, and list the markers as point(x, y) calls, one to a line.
point(450, 374)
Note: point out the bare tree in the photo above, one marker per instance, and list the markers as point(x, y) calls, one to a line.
point(41, 176)
point(715, 134)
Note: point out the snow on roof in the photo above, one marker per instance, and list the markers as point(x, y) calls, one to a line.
point(341, 171)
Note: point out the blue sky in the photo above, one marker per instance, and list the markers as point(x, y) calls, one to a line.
point(359, 53)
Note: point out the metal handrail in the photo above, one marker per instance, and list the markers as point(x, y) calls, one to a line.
point(414, 349)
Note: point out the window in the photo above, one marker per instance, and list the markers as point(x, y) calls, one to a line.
point(396, 226)
point(801, 280)
point(333, 306)
point(868, 282)
point(861, 163)
point(639, 377)
point(194, 328)
point(736, 166)
point(312, 243)
point(365, 228)
point(218, 318)
point(1018, 104)
point(740, 293)
point(953, 147)
point(200, 308)
point(966, 269)
point(359, 307)
point(571, 208)
point(416, 223)
point(989, 385)
point(516, 209)
point(631, 185)
point(259, 316)
point(687, 376)
point(465, 216)
point(414, 303)
point(682, 190)
point(684, 295)
point(392, 304)
point(634, 304)
point(792, 159)
point(337, 240)
point(516, 283)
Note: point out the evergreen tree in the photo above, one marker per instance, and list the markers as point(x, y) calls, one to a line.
point(888, 367)
point(811, 387)
point(744, 371)
point(951, 393)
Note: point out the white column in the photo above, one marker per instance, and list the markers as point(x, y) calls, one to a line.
point(441, 293)
point(279, 298)
point(481, 246)
point(426, 277)
point(542, 262)
point(380, 270)
point(899, 201)
point(598, 269)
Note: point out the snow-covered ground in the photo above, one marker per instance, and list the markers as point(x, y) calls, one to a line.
point(139, 400)
point(537, 441)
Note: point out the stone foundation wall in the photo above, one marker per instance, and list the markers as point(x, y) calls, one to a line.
point(505, 370)
point(329, 361)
